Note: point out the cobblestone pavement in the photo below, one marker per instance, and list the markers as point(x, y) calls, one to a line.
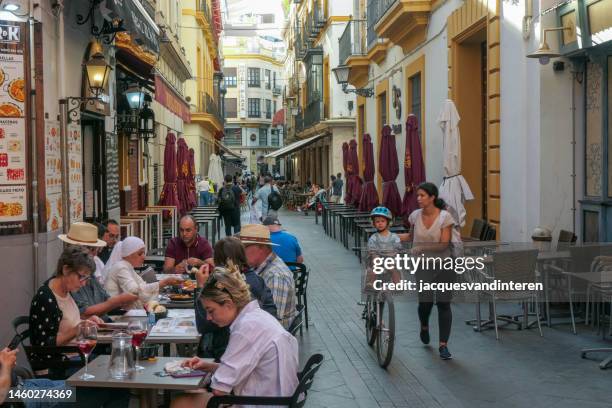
point(522, 369)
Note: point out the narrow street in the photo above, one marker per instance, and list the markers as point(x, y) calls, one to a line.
point(521, 369)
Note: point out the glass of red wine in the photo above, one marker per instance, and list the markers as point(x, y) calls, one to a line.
point(138, 330)
point(86, 341)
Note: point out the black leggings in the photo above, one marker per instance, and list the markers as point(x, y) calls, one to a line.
point(445, 317)
point(442, 300)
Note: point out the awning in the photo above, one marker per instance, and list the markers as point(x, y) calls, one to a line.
point(229, 151)
point(294, 146)
point(135, 20)
point(279, 117)
point(171, 100)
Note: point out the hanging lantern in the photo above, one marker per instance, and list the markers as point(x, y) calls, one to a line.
point(146, 120)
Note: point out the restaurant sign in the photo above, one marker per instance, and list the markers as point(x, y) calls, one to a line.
point(14, 146)
point(168, 98)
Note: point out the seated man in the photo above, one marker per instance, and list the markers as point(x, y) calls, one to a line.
point(288, 247)
point(188, 249)
point(258, 249)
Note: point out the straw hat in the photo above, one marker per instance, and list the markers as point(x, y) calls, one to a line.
point(83, 233)
point(255, 234)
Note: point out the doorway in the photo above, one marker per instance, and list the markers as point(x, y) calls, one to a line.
point(94, 169)
point(470, 96)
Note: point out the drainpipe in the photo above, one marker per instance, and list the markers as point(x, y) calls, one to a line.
point(576, 77)
point(34, 158)
point(527, 19)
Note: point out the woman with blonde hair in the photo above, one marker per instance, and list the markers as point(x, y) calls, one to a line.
point(261, 358)
point(229, 252)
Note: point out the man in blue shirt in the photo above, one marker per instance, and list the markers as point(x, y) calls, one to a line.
point(288, 248)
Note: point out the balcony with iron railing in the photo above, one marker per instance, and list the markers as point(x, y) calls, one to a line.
point(352, 52)
point(208, 112)
point(402, 22)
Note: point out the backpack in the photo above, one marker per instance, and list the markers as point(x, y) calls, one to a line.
point(227, 201)
point(275, 201)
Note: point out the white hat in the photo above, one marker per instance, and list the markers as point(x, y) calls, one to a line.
point(84, 234)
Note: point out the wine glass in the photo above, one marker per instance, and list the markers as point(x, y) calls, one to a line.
point(86, 341)
point(138, 330)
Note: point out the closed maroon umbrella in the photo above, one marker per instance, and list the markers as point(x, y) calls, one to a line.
point(191, 179)
point(369, 195)
point(353, 169)
point(414, 168)
point(182, 166)
point(345, 160)
point(389, 169)
point(169, 194)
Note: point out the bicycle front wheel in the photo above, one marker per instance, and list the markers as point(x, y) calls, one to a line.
point(370, 320)
point(386, 331)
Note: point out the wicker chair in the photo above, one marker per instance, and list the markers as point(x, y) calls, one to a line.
point(518, 266)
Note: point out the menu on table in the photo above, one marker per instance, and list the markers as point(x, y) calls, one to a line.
point(181, 326)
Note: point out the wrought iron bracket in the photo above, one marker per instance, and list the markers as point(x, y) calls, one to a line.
point(365, 92)
point(74, 105)
point(108, 30)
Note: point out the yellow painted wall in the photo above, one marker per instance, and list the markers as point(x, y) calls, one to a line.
point(382, 91)
point(463, 25)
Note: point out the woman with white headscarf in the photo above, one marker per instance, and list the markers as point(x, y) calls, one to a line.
point(123, 278)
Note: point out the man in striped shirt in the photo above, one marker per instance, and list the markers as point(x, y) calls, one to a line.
point(272, 269)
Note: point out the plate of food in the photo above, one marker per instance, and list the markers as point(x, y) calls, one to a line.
point(180, 297)
point(189, 285)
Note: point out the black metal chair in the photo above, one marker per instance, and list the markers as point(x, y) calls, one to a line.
point(490, 233)
point(300, 276)
point(297, 400)
point(298, 320)
point(46, 361)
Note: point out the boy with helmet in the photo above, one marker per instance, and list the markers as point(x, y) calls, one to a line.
point(383, 239)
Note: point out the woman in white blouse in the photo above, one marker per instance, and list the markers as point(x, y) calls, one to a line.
point(123, 278)
point(431, 228)
point(261, 358)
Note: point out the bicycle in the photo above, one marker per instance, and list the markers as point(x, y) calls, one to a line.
point(379, 316)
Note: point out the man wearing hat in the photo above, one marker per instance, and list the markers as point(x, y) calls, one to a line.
point(288, 247)
point(272, 269)
point(92, 299)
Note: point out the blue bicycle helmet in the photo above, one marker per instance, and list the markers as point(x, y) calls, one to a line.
point(381, 212)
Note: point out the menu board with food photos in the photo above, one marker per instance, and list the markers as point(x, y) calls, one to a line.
point(75, 172)
point(53, 176)
point(112, 171)
point(13, 145)
point(13, 203)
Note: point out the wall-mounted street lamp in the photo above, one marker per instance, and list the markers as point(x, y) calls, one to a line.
point(342, 74)
point(544, 53)
point(146, 120)
point(135, 96)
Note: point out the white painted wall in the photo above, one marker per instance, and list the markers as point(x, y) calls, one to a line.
point(435, 87)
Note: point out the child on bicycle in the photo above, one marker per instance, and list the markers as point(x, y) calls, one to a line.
point(384, 240)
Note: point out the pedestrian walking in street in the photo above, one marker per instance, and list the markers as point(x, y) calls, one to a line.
point(431, 227)
point(263, 194)
point(337, 185)
point(203, 187)
point(229, 205)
